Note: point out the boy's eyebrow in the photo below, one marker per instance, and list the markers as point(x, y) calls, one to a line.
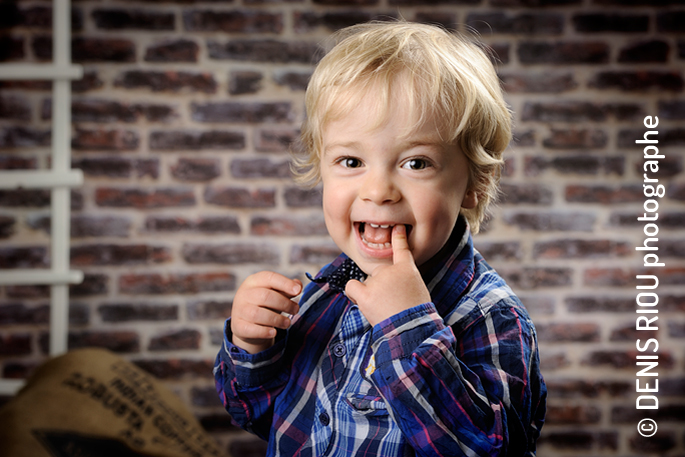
point(407, 145)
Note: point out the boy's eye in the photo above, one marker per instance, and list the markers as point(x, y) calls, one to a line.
point(350, 162)
point(415, 164)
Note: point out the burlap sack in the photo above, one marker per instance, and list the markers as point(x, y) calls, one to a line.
point(91, 402)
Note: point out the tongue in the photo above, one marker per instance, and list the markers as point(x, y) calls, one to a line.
point(377, 235)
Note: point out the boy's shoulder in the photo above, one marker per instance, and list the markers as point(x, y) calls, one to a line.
point(488, 295)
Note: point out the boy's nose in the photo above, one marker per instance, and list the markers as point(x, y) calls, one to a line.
point(380, 189)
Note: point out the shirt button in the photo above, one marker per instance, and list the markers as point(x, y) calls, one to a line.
point(339, 350)
point(325, 419)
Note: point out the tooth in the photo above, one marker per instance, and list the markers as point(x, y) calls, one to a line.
point(374, 225)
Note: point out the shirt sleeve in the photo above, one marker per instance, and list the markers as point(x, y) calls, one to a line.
point(475, 393)
point(247, 384)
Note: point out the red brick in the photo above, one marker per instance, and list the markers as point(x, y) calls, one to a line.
point(534, 3)
point(132, 19)
point(551, 221)
point(538, 305)
point(264, 50)
point(24, 137)
point(93, 284)
point(218, 423)
point(519, 24)
point(568, 332)
point(144, 198)
point(23, 257)
point(623, 359)
point(660, 442)
point(260, 168)
point(11, 48)
point(7, 226)
point(645, 52)
point(241, 112)
point(230, 253)
point(275, 140)
point(197, 170)
point(168, 81)
point(18, 313)
point(563, 53)
point(128, 312)
point(577, 388)
point(576, 414)
point(672, 109)
point(248, 446)
point(244, 82)
point(603, 194)
point(205, 397)
point(553, 361)
point(213, 310)
point(499, 250)
point(83, 226)
point(13, 162)
point(297, 197)
point(563, 111)
point(236, 21)
point(580, 440)
point(628, 333)
point(636, 81)
point(171, 50)
point(176, 340)
point(288, 226)
point(15, 344)
point(528, 82)
point(671, 21)
point(316, 255)
point(112, 167)
point(346, 2)
point(308, 21)
point(99, 50)
point(24, 198)
point(195, 140)
point(532, 194)
point(537, 277)
point(584, 249)
point(115, 254)
point(576, 139)
point(210, 224)
point(14, 107)
point(676, 330)
point(444, 19)
point(611, 22)
point(668, 168)
point(17, 371)
point(105, 111)
point(105, 140)
point(575, 164)
point(590, 304)
point(295, 80)
point(176, 368)
point(120, 341)
point(176, 283)
point(239, 197)
point(90, 81)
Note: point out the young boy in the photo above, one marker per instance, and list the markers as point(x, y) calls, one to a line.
point(408, 343)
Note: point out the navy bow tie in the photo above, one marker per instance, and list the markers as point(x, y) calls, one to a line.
point(339, 278)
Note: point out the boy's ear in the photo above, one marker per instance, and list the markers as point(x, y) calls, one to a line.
point(470, 200)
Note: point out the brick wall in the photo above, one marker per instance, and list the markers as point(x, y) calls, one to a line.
point(182, 125)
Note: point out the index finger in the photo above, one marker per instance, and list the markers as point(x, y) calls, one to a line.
point(400, 245)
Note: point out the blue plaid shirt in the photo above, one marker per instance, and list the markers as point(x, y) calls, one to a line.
point(458, 376)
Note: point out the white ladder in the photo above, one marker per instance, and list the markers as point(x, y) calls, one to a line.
point(60, 179)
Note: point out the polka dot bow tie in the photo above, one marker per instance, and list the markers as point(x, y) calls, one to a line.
point(339, 278)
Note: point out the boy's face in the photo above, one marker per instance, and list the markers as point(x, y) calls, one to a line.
point(376, 178)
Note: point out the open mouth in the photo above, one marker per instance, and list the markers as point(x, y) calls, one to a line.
point(377, 236)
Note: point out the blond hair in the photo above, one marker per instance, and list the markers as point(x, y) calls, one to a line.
point(446, 76)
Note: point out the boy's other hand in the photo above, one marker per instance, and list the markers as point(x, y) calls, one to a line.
point(390, 289)
point(257, 309)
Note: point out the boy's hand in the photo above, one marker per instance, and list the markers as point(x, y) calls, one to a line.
point(390, 289)
point(257, 309)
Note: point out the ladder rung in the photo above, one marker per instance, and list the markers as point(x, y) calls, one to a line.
point(40, 71)
point(40, 179)
point(39, 277)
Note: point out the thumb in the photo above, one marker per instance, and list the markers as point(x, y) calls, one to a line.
point(354, 290)
point(400, 245)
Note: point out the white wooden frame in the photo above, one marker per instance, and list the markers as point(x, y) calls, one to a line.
point(60, 178)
